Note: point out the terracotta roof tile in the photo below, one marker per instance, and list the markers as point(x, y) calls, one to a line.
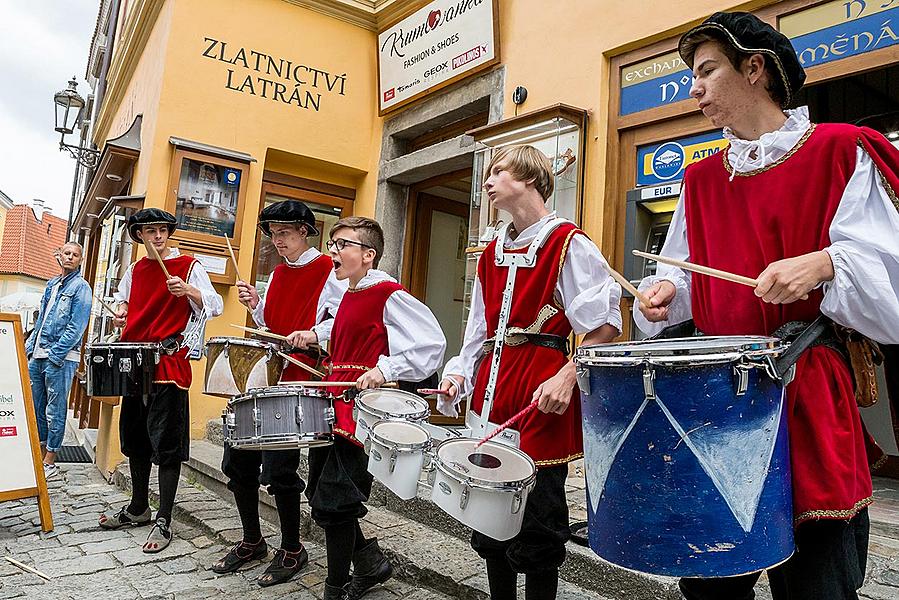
point(28, 244)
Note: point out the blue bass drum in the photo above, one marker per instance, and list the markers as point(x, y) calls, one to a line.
point(686, 455)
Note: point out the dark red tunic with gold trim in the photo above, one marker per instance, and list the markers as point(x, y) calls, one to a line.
point(744, 225)
point(549, 439)
point(154, 314)
point(291, 302)
point(358, 339)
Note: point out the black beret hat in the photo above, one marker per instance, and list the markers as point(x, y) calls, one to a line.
point(287, 211)
point(150, 216)
point(747, 33)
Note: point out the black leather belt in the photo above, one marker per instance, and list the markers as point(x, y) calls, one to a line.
point(544, 340)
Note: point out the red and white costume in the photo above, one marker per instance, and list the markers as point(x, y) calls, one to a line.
point(154, 314)
point(298, 297)
point(570, 278)
point(380, 324)
point(772, 199)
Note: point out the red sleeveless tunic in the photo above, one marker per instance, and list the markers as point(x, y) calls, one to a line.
point(291, 301)
point(154, 314)
point(742, 226)
point(549, 439)
point(358, 339)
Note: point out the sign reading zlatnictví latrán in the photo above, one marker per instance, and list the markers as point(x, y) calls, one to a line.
point(443, 40)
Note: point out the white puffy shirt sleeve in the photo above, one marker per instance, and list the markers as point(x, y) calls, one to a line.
point(328, 303)
point(590, 297)
point(123, 291)
point(212, 302)
point(259, 312)
point(675, 246)
point(864, 234)
point(414, 337)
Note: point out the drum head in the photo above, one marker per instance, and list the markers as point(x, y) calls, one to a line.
point(401, 433)
point(238, 341)
point(289, 390)
point(491, 463)
point(392, 402)
point(694, 349)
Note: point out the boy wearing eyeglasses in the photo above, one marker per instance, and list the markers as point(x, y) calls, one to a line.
point(381, 333)
point(301, 294)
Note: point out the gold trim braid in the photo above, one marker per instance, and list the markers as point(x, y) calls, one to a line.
point(782, 159)
point(559, 461)
point(891, 193)
point(833, 514)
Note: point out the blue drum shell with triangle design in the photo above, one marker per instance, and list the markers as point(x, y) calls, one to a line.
point(694, 483)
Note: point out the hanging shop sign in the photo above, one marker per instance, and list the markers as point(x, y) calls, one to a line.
point(824, 33)
point(665, 162)
point(434, 47)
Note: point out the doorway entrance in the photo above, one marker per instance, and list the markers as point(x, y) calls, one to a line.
point(435, 269)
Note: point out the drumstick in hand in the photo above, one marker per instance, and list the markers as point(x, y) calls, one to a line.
point(300, 364)
point(106, 306)
point(234, 260)
point(627, 285)
point(703, 270)
point(508, 423)
point(262, 333)
point(388, 384)
point(151, 249)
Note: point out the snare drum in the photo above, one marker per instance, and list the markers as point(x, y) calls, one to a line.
point(120, 369)
point(485, 489)
point(396, 455)
point(235, 365)
point(686, 455)
point(376, 405)
point(279, 418)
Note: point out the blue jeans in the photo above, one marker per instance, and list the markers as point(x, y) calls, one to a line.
point(50, 387)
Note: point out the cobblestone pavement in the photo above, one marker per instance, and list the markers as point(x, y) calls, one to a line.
point(89, 563)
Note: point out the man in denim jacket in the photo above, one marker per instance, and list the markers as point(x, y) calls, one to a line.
point(54, 350)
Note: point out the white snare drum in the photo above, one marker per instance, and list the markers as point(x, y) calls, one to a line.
point(236, 365)
point(485, 489)
point(376, 405)
point(396, 455)
point(279, 418)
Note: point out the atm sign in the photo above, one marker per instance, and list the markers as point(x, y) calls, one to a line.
point(665, 162)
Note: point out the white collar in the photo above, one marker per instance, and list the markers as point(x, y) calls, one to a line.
point(173, 253)
point(527, 236)
point(305, 258)
point(749, 155)
point(372, 277)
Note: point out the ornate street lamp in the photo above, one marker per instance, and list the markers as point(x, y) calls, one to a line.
point(68, 106)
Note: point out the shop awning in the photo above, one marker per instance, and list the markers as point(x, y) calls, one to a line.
point(113, 175)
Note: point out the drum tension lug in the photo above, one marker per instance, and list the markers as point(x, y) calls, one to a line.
point(516, 503)
point(741, 374)
point(649, 388)
point(463, 500)
point(393, 456)
point(583, 380)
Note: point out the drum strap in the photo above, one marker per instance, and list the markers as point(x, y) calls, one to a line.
point(544, 340)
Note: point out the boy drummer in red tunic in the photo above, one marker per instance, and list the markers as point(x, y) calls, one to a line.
point(381, 333)
point(301, 292)
point(560, 285)
point(155, 426)
point(807, 209)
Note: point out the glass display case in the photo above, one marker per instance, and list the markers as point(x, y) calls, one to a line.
point(558, 132)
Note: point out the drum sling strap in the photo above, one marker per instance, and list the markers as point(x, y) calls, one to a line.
point(512, 260)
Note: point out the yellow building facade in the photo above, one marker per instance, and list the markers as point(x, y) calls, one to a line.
point(212, 109)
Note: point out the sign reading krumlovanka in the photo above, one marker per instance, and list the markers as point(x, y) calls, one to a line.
point(433, 47)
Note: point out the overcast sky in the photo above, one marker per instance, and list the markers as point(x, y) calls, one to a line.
point(42, 44)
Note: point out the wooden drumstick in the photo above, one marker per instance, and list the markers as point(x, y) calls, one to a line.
point(106, 306)
point(388, 384)
point(151, 249)
point(627, 285)
point(262, 333)
point(507, 424)
point(234, 260)
point(687, 266)
point(300, 364)
point(25, 567)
